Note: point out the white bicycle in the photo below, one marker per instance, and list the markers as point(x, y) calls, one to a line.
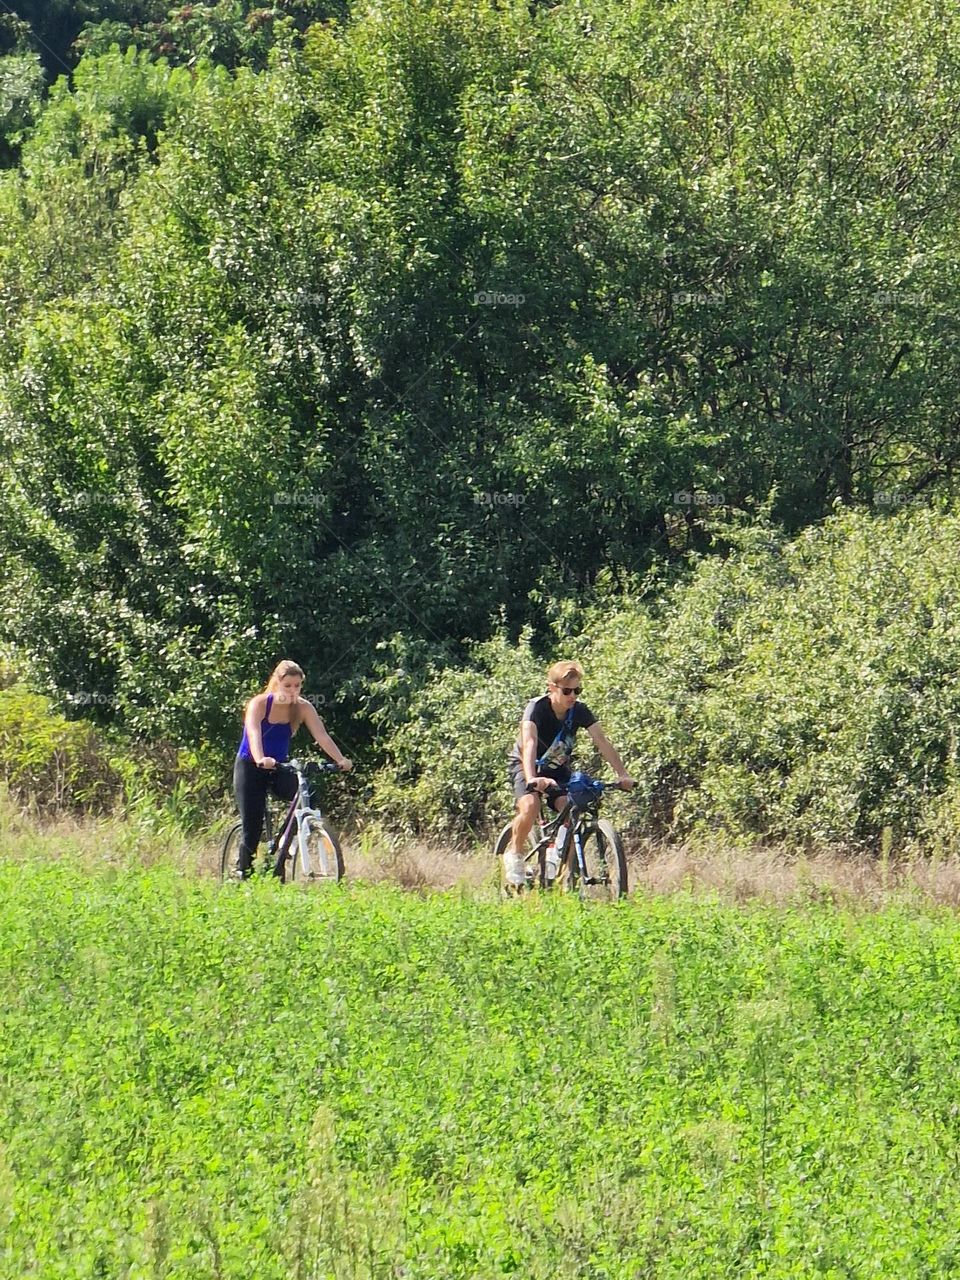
point(305, 850)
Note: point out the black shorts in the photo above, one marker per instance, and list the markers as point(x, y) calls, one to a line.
point(518, 783)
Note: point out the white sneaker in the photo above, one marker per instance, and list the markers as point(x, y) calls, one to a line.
point(514, 869)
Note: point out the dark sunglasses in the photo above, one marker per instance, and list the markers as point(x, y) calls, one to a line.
point(565, 688)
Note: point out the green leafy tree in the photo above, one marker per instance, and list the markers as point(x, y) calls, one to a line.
point(21, 86)
point(415, 323)
point(231, 32)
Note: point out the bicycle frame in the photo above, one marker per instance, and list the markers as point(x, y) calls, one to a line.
point(301, 809)
point(577, 819)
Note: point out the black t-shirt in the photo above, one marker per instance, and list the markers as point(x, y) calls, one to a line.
point(549, 725)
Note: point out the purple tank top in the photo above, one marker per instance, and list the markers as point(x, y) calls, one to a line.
point(275, 737)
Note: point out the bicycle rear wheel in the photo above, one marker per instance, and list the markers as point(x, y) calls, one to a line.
point(230, 854)
point(604, 862)
point(324, 858)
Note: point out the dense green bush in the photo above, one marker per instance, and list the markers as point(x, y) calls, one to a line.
point(446, 753)
point(803, 691)
point(50, 763)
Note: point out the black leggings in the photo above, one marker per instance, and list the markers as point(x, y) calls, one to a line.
point(251, 784)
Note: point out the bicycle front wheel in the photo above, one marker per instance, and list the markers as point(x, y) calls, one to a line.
point(324, 859)
point(605, 866)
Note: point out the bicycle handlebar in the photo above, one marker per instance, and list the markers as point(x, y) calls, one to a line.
point(558, 790)
point(308, 766)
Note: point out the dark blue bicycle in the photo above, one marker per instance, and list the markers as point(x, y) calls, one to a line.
point(591, 861)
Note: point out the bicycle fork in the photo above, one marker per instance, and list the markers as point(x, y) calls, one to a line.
point(578, 850)
point(304, 809)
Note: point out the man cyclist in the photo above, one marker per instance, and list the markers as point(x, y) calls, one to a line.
point(541, 755)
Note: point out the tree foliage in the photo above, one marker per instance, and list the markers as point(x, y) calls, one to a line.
point(410, 324)
point(230, 32)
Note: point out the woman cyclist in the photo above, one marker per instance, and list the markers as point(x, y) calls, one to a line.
point(270, 720)
point(541, 754)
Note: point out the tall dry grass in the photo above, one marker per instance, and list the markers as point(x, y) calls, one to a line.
point(739, 875)
point(97, 841)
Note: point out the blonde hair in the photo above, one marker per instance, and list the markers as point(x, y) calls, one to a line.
point(561, 671)
point(280, 672)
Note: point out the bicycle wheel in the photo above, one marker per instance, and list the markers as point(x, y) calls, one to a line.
point(230, 855)
point(604, 861)
point(324, 858)
point(534, 860)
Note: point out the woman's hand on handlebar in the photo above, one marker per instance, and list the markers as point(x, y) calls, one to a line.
point(626, 783)
point(345, 765)
point(267, 762)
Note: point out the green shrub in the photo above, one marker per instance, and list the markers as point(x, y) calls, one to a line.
point(803, 691)
point(51, 763)
point(445, 768)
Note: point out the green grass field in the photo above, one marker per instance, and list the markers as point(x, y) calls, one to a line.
point(365, 1083)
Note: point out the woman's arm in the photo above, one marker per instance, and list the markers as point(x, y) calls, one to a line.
point(607, 750)
point(320, 735)
point(251, 722)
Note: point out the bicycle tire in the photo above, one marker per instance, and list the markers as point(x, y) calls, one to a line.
point(230, 853)
point(323, 852)
point(499, 848)
point(605, 862)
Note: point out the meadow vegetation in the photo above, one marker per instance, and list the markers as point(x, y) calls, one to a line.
point(197, 1082)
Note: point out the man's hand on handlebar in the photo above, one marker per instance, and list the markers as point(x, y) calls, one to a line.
point(543, 784)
